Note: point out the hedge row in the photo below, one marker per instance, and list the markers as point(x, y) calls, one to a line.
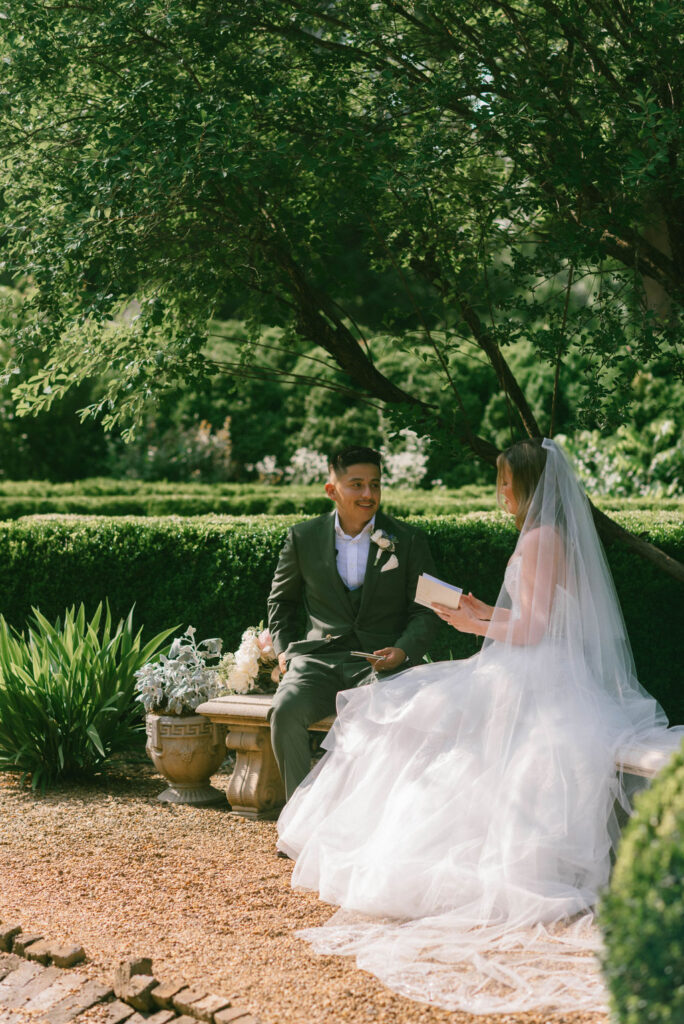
point(138, 498)
point(215, 574)
point(106, 497)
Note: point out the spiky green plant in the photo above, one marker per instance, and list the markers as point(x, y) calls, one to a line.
point(67, 699)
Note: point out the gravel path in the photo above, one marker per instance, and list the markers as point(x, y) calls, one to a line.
point(200, 892)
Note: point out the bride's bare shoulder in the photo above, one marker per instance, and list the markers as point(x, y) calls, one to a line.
point(540, 539)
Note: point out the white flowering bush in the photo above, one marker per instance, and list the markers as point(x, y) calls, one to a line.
point(306, 466)
point(177, 684)
point(404, 463)
point(407, 465)
point(253, 666)
point(267, 469)
point(648, 462)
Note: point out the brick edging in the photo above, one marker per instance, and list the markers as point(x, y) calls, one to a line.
point(135, 997)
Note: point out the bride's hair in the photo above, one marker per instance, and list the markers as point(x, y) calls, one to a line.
point(526, 460)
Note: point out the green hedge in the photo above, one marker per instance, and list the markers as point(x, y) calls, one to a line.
point(215, 573)
point(642, 914)
point(133, 497)
point(107, 497)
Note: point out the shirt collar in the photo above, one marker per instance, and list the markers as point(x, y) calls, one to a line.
point(367, 530)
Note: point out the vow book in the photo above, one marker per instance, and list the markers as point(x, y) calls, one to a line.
point(431, 590)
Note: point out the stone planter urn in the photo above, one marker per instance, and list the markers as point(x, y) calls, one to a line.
point(187, 750)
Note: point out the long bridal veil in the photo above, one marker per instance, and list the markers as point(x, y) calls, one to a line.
point(464, 816)
point(567, 595)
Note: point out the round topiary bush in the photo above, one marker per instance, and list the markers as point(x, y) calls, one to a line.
point(642, 913)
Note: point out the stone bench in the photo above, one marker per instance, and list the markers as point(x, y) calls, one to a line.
point(256, 789)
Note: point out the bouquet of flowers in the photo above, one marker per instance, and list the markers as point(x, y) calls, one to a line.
point(253, 667)
point(177, 684)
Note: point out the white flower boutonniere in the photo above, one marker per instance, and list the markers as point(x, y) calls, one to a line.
point(384, 541)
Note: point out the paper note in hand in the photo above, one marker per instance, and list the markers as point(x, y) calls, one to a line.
point(431, 591)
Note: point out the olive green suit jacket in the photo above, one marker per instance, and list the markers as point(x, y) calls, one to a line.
point(307, 580)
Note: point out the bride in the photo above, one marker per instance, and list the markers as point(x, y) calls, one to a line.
point(463, 816)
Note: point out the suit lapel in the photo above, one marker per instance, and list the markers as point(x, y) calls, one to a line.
point(373, 565)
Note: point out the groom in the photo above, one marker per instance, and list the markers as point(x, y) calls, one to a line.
point(349, 577)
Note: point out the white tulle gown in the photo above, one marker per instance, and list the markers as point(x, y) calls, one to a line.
point(463, 817)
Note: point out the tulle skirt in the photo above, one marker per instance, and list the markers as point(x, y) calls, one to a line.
point(463, 818)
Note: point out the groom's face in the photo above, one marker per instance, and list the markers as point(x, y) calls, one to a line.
point(356, 493)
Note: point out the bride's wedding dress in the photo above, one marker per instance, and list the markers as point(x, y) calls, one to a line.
point(464, 814)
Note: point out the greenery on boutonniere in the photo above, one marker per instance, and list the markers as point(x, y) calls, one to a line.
point(385, 542)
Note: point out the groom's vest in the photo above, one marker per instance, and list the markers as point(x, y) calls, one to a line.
point(350, 640)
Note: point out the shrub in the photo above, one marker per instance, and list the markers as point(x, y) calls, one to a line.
point(66, 694)
point(179, 683)
point(186, 451)
point(103, 496)
point(216, 573)
point(407, 465)
point(642, 913)
point(634, 460)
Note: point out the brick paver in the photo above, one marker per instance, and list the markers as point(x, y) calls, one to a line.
point(51, 994)
point(83, 998)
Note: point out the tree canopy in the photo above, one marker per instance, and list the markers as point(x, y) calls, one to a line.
point(497, 171)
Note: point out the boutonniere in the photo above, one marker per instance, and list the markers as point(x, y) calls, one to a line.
point(384, 541)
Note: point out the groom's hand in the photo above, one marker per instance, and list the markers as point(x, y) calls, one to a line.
point(282, 663)
point(392, 657)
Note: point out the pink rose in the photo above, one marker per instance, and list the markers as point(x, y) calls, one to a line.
point(266, 645)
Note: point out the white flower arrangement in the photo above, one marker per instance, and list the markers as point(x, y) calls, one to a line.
point(253, 666)
point(177, 684)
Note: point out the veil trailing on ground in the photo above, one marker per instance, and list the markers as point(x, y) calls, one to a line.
point(464, 816)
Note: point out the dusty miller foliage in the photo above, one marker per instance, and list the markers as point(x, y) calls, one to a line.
point(512, 167)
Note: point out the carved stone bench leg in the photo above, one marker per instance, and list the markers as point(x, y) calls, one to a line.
point(255, 789)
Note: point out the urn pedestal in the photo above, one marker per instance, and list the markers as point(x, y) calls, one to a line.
point(187, 750)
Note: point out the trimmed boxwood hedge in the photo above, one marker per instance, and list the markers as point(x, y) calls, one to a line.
point(642, 914)
point(126, 497)
point(215, 573)
point(106, 497)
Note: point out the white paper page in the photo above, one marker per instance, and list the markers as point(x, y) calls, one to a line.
point(431, 590)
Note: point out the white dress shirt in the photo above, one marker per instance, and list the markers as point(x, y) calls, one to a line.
point(352, 553)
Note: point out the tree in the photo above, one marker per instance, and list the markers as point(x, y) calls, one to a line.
point(511, 167)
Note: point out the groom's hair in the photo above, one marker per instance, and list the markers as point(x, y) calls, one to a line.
point(339, 462)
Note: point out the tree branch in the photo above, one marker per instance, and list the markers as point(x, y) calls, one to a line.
point(610, 531)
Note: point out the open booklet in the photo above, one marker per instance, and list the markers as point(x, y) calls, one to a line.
point(431, 590)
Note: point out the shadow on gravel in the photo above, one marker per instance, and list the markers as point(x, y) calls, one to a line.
point(129, 776)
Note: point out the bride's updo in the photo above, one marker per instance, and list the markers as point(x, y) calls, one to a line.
point(525, 460)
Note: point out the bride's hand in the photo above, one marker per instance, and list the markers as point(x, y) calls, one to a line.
point(460, 618)
point(479, 609)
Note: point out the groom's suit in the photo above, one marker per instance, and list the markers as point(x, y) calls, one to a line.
point(308, 590)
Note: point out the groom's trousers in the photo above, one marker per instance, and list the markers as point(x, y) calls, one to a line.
point(307, 693)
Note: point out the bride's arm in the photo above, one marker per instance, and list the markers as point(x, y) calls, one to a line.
point(540, 570)
point(478, 608)
point(465, 620)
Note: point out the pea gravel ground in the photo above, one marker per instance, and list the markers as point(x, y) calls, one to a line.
point(199, 891)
